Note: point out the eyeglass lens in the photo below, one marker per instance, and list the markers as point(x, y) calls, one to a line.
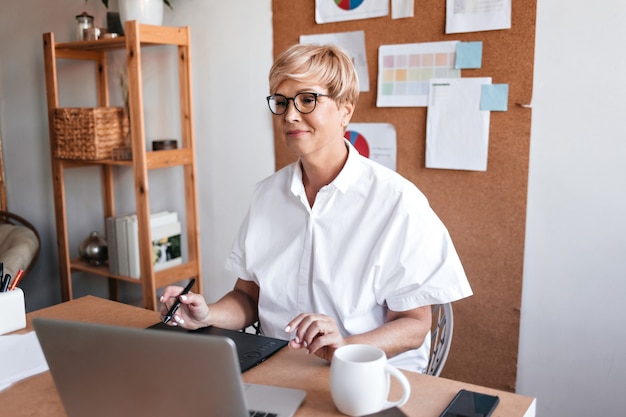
point(304, 102)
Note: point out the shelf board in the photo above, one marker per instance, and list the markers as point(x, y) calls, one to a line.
point(154, 160)
point(76, 163)
point(148, 35)
point(97, 45)
point(103, 270)
point(163, 278)
point(164, 159)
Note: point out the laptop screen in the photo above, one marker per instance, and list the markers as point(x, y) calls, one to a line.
point(102, 371)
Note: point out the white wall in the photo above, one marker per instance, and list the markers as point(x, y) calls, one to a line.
point(572, 340)
point(231, 56)
point(571, 337)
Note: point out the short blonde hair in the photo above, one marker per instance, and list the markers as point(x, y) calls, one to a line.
point(327, 65)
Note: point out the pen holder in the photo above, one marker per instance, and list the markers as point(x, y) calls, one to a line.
point(12, 311)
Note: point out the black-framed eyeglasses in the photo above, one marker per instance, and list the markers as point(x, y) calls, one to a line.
point(304, 102)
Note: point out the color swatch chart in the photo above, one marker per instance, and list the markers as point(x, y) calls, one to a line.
point(404, 71)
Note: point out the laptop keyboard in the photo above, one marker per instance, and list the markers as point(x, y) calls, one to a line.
point(262, 414)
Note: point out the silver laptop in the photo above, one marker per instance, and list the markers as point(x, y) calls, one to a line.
point(102, 370)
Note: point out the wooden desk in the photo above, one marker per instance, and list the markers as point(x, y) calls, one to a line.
point(37, 396)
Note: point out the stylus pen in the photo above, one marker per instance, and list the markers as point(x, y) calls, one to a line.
point(175, 306)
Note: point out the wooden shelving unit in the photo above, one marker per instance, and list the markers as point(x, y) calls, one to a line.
point(137, 36)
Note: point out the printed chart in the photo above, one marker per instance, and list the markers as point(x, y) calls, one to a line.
point(404, 72)
point(348, 4)
point(359, 142)
point(376, 141)
point(327, 11)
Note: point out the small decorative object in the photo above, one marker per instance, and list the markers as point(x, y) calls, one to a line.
point(164, 144)
point(91, 34)
point(93, 249)
point(83, 21)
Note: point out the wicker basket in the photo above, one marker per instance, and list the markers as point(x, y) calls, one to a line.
point(89, 133)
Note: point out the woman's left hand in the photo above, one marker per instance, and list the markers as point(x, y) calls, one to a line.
point(317, 333)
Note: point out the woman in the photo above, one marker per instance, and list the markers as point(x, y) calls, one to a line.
point(335, 248)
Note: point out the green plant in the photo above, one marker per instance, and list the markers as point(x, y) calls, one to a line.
point(106, 3)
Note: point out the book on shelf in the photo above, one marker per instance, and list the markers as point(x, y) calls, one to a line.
point(123, 233)
point(111, 246)
point(121, 244)
point(117, 247)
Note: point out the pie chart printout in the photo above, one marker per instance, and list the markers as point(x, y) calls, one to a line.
point(374, 141)
point(348, 4)
point(359, 142)
point(327, 11)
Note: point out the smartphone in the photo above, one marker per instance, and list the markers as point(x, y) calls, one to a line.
point(471, 404)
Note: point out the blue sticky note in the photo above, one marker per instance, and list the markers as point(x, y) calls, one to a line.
point(494, 97)
point(469, 55)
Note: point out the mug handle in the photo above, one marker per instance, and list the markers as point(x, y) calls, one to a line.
point(406, 388)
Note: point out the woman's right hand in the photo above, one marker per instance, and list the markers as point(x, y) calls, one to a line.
point(193, 312)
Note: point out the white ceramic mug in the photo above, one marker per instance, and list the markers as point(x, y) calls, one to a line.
point(360, 380)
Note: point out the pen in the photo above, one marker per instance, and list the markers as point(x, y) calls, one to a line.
point(175, 306)
point(16, 280)
point(5, 283)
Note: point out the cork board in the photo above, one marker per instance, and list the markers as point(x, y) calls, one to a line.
point(485, 212)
